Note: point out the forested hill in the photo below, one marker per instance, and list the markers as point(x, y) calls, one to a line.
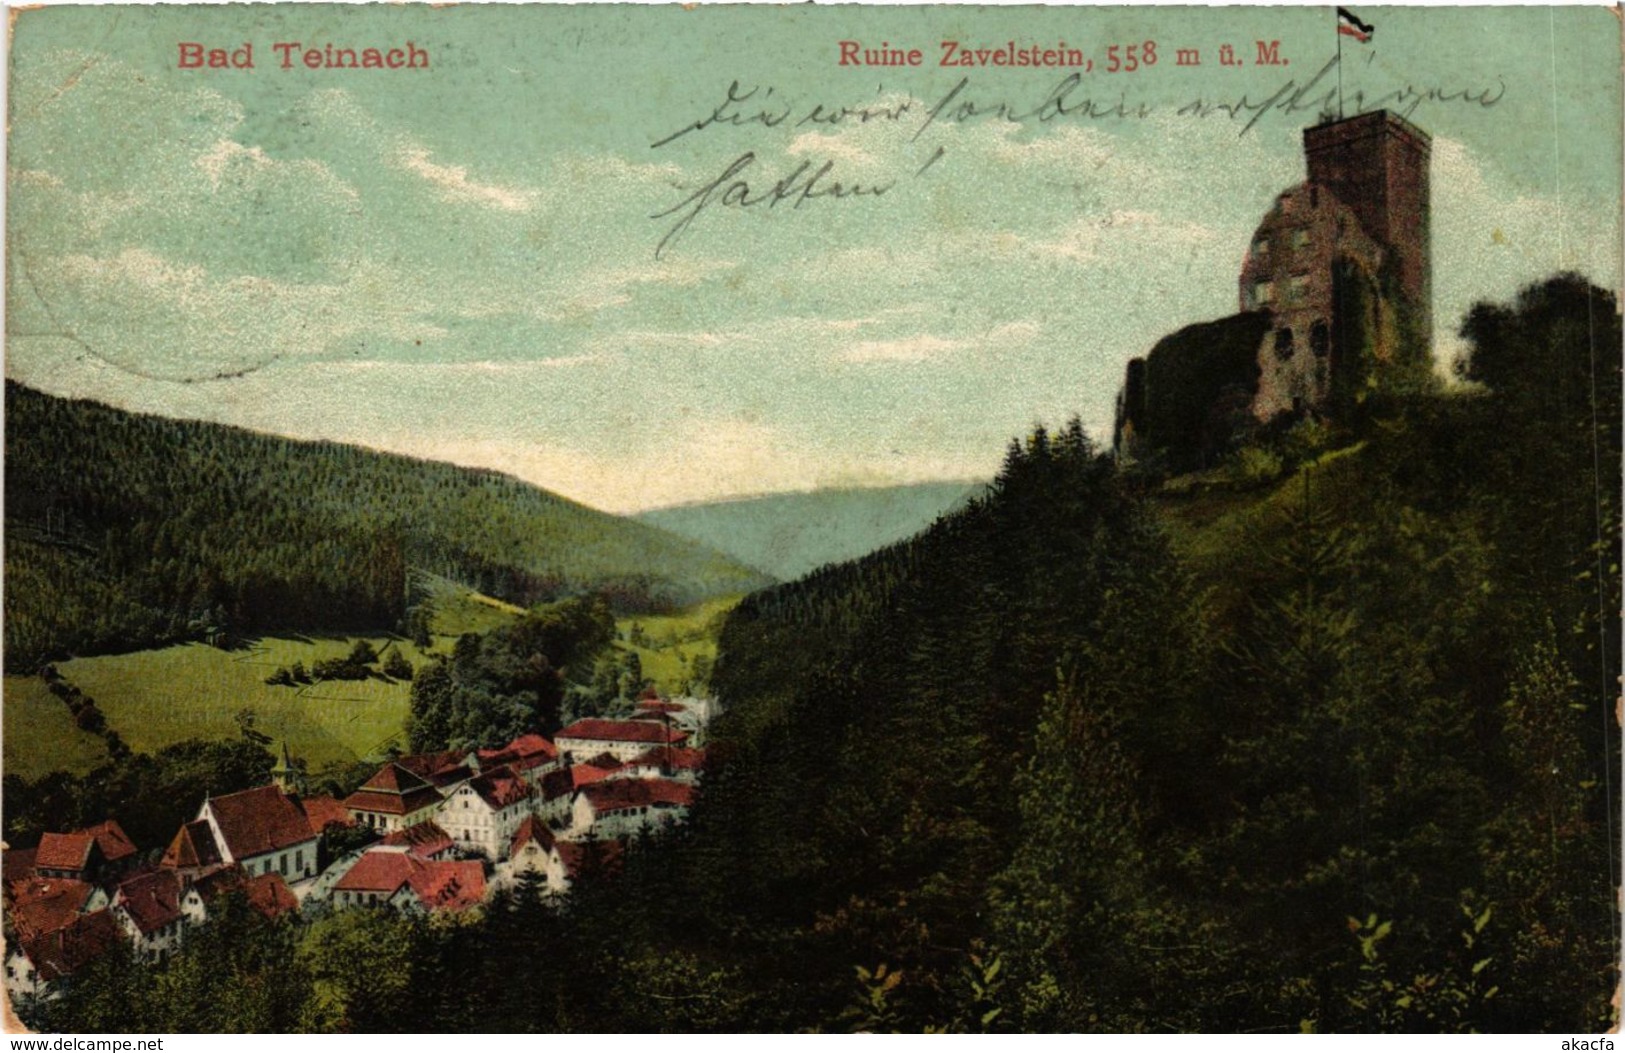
point(1330, 744)
point(1327, 746)
point(788, 535)
point(124, 530)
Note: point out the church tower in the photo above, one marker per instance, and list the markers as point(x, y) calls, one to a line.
point(289, 777)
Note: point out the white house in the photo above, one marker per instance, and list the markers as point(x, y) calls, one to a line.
point(393, 877)
point(617, 808)
point(147, 908)
point(623, 739)
point(535, 850)
point(36, 966)
point(484, 812)
point(263, 830)
point(663, 762)
point(393, 799)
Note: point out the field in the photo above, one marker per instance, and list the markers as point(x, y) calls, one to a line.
point(40, 735)
point(154, 698)
point(458, 610)
point(669, 643)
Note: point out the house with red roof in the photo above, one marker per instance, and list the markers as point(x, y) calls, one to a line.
point(534, 850)
point(393, 799)
point(40, 905)
point(425, 841)
point(193, 850)
point(616, 808)
point(624, 739)
point(323, 811)
point(484, 812)
point(266, 893)
point(689, 713)
point(594, 768)
point(91, 854)
point(663, 762)
point(395, 878)
point(530, 756)
point(262, 830)
point(147, 908)
point(36, 966)
point(445, 770)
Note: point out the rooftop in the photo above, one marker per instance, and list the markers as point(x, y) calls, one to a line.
point(72, 851)
point(440, 885)
point(42, 905)
point(322, 810)
point(152, 900)
point(420, 839)
point(393, 790)
point(66, 950)
point(635, 731)
point(192, 846)
point(257, 821)
point(620, 794)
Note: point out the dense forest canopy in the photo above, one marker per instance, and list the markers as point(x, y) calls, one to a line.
point(1333, 750)
point(512, 680)
point(123, 531)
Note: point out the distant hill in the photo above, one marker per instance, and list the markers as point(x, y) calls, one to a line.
point(788, 535)
point(124, 531)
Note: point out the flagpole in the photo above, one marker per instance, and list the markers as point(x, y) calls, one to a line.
point(1337, 22)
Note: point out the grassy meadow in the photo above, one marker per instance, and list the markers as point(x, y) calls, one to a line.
point(40, 735)
point(671, 642)
point(158, 697)
point(457, 610)
point(154, 698)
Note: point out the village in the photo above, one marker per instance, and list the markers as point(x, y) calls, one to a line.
point(428, 833)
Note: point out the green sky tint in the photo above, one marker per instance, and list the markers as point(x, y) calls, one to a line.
point(460, 262)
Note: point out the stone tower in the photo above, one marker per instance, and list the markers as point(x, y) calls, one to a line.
point(1377, 164)
point(1336, 304)
point(1342, 263)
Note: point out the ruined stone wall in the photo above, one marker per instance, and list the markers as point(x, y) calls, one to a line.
point(1335, 288)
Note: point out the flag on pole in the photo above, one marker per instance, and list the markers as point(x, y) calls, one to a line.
point(1351, 26)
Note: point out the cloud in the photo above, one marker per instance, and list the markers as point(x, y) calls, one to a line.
point(195, 324)
point(417, 287)
point(588, 293)
point(926, 347)
point(231, 163)
point(454, 183)
point(1491, 237)
point(1084, 150)
point(919, 348)
point(830, 145)
point(1087, 240)
point(453, 370)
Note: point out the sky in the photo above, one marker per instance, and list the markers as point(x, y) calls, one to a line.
point(485, 262)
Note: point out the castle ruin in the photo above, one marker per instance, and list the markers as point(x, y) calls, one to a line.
point(1335, 297)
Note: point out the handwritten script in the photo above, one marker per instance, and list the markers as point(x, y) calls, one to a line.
point(763, 111)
